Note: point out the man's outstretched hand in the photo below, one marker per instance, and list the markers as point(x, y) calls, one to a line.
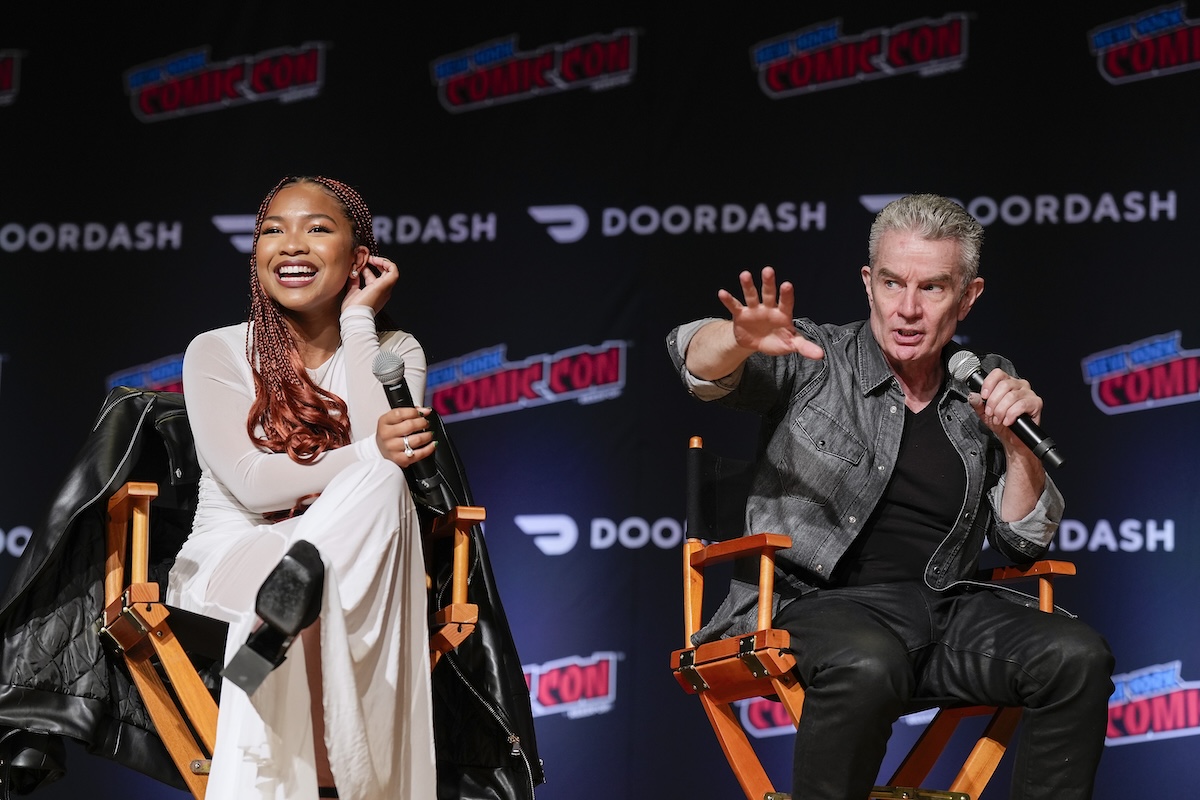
point(762, 321)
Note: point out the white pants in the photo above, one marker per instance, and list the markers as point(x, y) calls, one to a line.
point(374, 651)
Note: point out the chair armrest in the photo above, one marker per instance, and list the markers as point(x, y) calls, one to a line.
point(1033, 570)
point(741, 547)
point(128, 536)
point(451, 624)
point(697, 556)
point(457, 523)
point(1042, 571)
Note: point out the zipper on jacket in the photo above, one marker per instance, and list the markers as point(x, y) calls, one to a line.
point(510, 735)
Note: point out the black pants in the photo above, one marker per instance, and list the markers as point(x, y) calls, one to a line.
point(863, 654)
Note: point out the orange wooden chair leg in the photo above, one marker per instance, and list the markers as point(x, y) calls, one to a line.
point(925, 752)
point(791, 695)
point(741, 756)
point(176, 736)
point(986, 755)
point(197, 703)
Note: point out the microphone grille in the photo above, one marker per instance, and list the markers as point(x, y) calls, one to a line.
point(388, 367)
point(963, 364)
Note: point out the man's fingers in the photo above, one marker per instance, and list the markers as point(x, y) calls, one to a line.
point(749, 290)
point(729, 301)
point(787, 297)
point(769, 295)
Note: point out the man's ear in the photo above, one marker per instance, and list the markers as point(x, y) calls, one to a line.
point(866, 279)
point(970, 295)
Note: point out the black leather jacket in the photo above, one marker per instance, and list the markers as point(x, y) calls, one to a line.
point(57, 679)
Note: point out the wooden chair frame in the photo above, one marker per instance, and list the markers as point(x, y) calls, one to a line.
point(136, 621)
point(759, 664)
point(453, 623)
point(137, 624)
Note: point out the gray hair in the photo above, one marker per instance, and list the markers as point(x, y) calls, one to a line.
point(932, 217)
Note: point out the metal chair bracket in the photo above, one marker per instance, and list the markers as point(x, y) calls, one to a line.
point(913, 793)
point(130, 624)
point(748, 657)
point(687, 668)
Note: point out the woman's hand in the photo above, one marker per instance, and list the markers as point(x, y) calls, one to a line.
point(375, 290)
point(403, 436)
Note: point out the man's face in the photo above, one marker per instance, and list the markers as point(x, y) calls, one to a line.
point(917, 299)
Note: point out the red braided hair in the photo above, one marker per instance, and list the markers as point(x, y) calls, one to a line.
point(295, 415)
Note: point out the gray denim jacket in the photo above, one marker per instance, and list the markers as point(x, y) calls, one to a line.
point(830, 438)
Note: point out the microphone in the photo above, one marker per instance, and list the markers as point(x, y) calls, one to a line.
point(965, 366)
point(389, 369)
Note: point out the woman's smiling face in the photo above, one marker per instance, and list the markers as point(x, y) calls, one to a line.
point(306, 250)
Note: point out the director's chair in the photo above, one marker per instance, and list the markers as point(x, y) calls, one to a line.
point(164, 648)
point(760, 664)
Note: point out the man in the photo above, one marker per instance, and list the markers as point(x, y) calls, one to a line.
point(889, 474)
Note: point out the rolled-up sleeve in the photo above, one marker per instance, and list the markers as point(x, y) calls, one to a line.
point(678, 341)
point(1032, 534)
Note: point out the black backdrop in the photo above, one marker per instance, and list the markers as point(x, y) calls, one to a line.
point(126, 178)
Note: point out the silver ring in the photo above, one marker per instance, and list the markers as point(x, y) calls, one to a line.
point(408, 451)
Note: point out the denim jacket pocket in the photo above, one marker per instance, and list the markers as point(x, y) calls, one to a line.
point(814, 461)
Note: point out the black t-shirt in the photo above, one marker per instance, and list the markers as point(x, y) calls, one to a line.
point(919, 507)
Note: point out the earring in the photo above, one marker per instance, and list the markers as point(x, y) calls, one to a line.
point(353, 273)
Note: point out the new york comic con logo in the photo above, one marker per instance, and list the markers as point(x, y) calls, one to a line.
point(497, 72)
point(822, 57)
point(486, 382)
point(1148, 45)
point(1152, 703)
point(1149, 373)
point(10, 76)
point(763, 718)
point(1148, 704)
point(162, 375)
point(576, 686)
point(188, 83)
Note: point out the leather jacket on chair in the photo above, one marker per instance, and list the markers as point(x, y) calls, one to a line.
point(56, 677)
point(56, 680)
point(482, 717)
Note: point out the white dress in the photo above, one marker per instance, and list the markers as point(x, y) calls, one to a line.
point(374, 638)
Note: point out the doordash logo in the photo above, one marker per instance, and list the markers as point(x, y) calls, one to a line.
point(557, 534)
point(567, 224)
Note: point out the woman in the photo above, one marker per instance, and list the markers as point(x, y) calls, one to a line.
point(296, 441)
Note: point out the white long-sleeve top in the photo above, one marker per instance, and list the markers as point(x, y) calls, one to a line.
point(376, 693)
point(241, 478)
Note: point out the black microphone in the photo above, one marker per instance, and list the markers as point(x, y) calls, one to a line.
point(965, 366)
point(389, 369)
